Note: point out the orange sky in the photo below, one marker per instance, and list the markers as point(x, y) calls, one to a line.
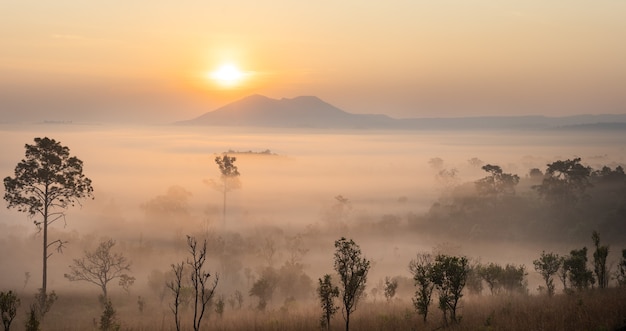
point(149, 61)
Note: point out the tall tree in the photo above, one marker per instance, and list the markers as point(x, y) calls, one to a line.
point(547, 266)
point(229, 177)
point(46, 182)
point(101, 267)
point(352, 268)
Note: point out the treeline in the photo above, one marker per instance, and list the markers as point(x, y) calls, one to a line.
point(565, 202)
point(441, 280)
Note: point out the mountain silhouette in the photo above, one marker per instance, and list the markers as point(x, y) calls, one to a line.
point(302, 111)
point(312, 112)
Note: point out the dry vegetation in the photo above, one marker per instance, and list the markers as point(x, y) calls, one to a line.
point(590, 310)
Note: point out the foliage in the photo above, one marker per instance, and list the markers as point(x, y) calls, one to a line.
point(449, 275)
point(422, 269)
point(390, 288)
point(47, 181)
point(599, 261)
point(547, 266)
point(579, 275)
point(108, 321)
point(564, 181)
point(219, 306)
point(492, 274)
point(8, 308)
point(497, 183)
point(229, 177)
point(327, 293)
point(44, 302)
point(32, 322)
point(101, 267)
point(621, 270)
point(352, 268)
point(264, 288)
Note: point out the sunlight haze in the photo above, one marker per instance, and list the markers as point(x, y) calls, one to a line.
point(147, 61)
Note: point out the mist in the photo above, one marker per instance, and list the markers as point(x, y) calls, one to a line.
point(303, 188)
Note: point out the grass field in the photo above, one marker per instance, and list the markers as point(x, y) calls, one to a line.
point(594, 310)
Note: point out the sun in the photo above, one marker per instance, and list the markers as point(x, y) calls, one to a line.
point(227, 75)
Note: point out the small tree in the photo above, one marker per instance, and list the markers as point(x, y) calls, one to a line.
point(101, 267)
point(32, 322)
point(547, 266)
point(449, 276)
point(8, 308)
point(352, 268)
point(390, 288)
point(327, 293)
point(47, 181)
point(514, 279)
point(176, 286)
point(422, 269)
point(492, 274)
point(108, 321)
point(229, 177)
point(579, 275)
point(203, 292)
point(599, 261)
point(620, 274)
point(263, 288)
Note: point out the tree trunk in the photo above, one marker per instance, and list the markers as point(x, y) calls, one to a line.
point(224, 207)
point(347, 320)
point(44, 281)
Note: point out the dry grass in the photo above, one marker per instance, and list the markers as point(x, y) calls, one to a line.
point(592, 310)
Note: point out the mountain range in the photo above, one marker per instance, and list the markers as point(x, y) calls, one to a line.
point(312, 112)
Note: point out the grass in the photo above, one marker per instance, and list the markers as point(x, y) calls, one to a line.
point(593, 310)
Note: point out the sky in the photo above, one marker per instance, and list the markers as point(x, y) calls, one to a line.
point(152, 61)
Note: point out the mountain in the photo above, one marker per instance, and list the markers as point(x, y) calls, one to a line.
point(303, 112)
point(312, 112)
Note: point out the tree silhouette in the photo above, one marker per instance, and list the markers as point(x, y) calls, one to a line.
point(449, 276)
point(599, 261)
point(422, 269)
point(352, 269)
point(497, 183)
point(47, 181)
point(579, 275)
point(327, 293)
point(229, 178)
point(101, 267)
point(8, 308)
point(564, 181)
point(547, 266)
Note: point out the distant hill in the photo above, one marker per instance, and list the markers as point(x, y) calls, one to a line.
point(312, 112)
point(301, 112)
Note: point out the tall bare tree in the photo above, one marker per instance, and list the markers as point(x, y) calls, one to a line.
point(46, 182)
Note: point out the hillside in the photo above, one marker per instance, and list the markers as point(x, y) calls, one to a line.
point(312, 112)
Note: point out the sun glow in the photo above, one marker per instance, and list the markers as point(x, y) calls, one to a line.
point(227, 75)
